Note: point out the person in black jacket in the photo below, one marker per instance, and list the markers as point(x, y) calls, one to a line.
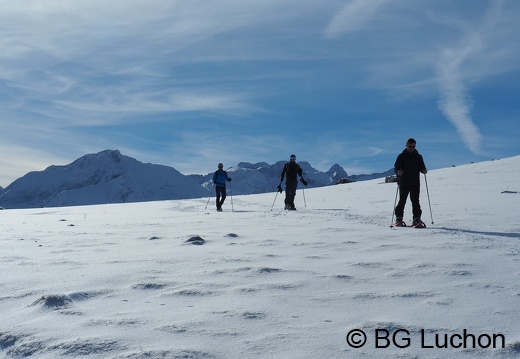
point(408, 166)
point(291, 170)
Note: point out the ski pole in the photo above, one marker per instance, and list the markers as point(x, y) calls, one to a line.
point(274, 200)
point(210, 193)
point(304, 201)
point(231, 193)
point(276, 195)
point(393, 210)
point(428, 192)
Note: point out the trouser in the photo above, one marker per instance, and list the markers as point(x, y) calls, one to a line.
point(221, 195)
point(290, 192)
point(414, 191)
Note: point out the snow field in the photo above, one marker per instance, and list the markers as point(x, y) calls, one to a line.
point(120, 281)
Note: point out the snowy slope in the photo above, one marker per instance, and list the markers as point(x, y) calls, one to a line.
point(105, 177)
point(120, 281)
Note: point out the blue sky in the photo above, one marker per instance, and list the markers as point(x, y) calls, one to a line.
point(189, 84)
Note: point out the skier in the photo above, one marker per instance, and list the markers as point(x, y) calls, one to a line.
point(219, 179)
point(291, 169)
point(408, 166)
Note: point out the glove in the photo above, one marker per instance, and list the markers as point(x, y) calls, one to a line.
point(305, 183)
point(280, 188)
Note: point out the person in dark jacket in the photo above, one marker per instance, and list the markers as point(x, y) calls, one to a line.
point(408, 167)
point(291, 170)
point(219, 179)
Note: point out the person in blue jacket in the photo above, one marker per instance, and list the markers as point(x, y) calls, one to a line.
point(408, 166)
point(219, 180)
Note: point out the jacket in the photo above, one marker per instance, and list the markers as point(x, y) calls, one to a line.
point(411, 163)
point(291, 169)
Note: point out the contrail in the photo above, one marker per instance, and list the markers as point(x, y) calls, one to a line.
point(455, 101)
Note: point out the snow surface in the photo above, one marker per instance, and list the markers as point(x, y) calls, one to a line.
point(121, 281)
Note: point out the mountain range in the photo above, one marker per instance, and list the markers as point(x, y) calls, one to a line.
point(249, 178)
point(110, 177)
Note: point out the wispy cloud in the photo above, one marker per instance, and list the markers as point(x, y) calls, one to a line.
point(93, 50)
point(455, 101)
point(353, 16)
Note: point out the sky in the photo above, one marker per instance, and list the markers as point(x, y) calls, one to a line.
point(189, 84)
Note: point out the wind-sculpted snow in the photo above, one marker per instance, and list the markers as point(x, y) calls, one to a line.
point(121, 281)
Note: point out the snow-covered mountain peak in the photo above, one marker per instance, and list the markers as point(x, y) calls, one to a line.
point(103, 177)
